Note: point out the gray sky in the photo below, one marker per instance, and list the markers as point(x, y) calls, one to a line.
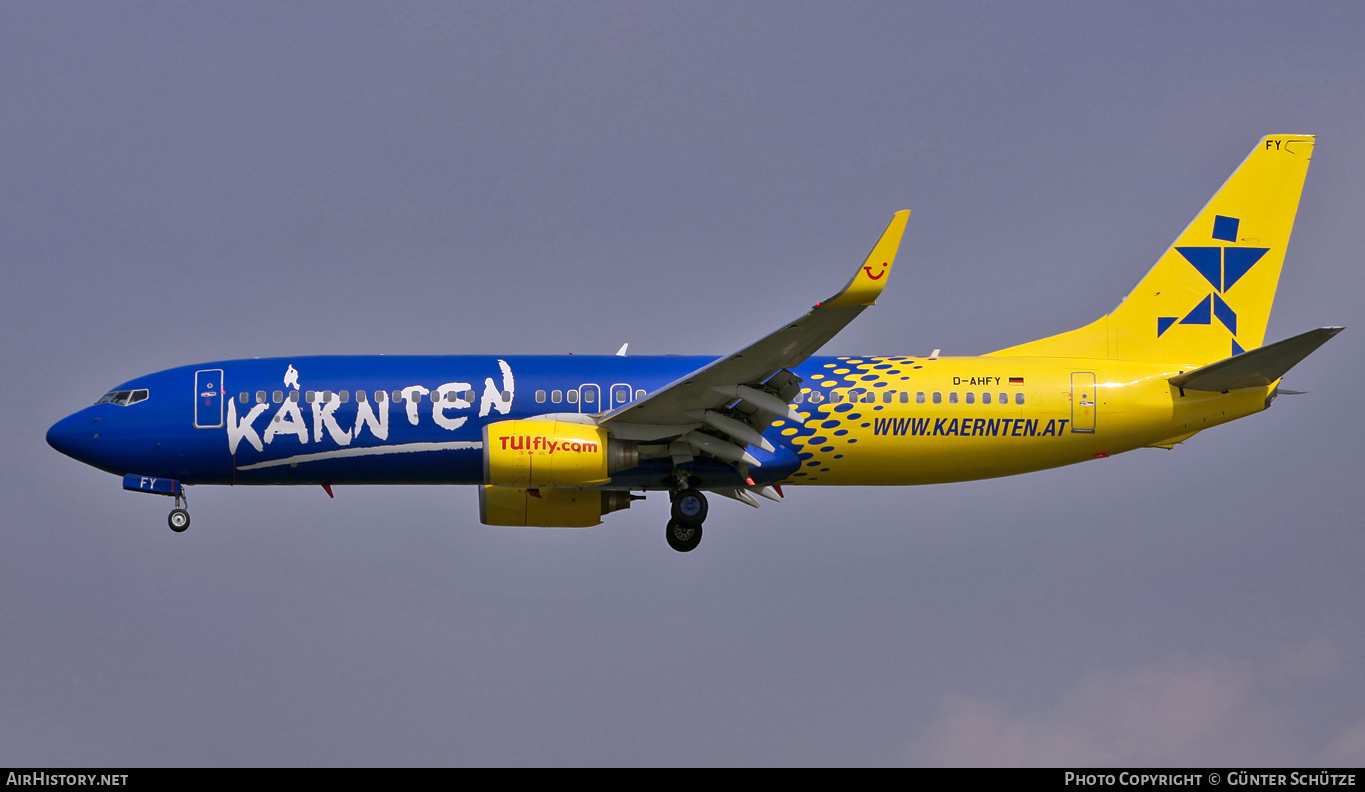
point(189, 182)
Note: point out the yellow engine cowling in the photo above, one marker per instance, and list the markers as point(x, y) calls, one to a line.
point(548, 453)
point(547, 508)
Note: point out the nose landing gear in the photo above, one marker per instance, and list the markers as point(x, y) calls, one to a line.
point(689, 512)
point(179, 518)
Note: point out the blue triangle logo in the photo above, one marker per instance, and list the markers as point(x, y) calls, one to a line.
point(1237, 261)
point(1208, 261)
point(1225, 314)
point(1200, 314)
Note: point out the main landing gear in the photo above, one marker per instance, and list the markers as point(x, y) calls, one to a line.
point(179, 518)
point(689, 512)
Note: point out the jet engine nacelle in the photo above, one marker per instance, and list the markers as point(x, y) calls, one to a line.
point(548, 508)
point(551, 453)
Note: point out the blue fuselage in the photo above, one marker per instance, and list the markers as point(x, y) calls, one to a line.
point(366, 420)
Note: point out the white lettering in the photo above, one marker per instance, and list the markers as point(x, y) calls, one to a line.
point(324, 414)
point(236, 432)
point(288, 421)
point(492, 394)
point(412, 395)
point(289, 418)
point(379, 427)
point(439, 405)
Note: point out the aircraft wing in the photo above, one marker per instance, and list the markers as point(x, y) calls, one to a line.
point(724, 406)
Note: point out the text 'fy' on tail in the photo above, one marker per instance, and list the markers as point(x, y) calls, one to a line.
point(1209, 295)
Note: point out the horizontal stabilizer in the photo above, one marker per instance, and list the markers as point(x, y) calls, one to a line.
point(1256, 368)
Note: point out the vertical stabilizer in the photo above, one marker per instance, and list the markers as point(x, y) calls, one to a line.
point(1209, 295)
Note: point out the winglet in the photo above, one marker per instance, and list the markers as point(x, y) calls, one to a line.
point(868, 281)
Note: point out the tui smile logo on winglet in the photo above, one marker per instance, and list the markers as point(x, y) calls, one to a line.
point(868, 269)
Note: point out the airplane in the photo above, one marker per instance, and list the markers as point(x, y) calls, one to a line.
point(562, 441)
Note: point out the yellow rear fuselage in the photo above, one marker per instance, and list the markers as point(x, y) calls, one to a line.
point(904, 420)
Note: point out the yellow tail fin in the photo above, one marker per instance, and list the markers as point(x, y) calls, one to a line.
point(1209, 295)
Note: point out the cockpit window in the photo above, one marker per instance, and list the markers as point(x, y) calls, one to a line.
point(124, 398)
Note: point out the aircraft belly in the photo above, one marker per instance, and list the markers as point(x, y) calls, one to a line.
point(412, 463)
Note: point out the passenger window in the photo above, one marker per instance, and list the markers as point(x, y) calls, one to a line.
point(469, 396)
point(835, 397)
point(886, 397)
point(622, 396)
point(380, 396)
point(242, 398)
point(555, 396)
point(360, 397)
point(312, 396)
point(905, 397)
point(589, 396)
point(452, 396)
point(571, 397)
point(277, 397)
point(639, 394)
point(919, 398)
point(540, 397)
point(799, 399)
point(938, 398)
point(971, 398)
point(816, 397)
point(506, 396)
point(345, 396)
point(952, 397)
point(1018, 398)
point(294, 397)
point(1004, 398)
point(871, 398)
point(397, 395)
point(260, 397)
point(985, 398)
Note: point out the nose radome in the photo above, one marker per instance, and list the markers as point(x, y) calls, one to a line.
point(70, 434)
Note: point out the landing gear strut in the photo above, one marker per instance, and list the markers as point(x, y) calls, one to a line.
point(689, 507)
point(689, 512)
point(179, 518)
